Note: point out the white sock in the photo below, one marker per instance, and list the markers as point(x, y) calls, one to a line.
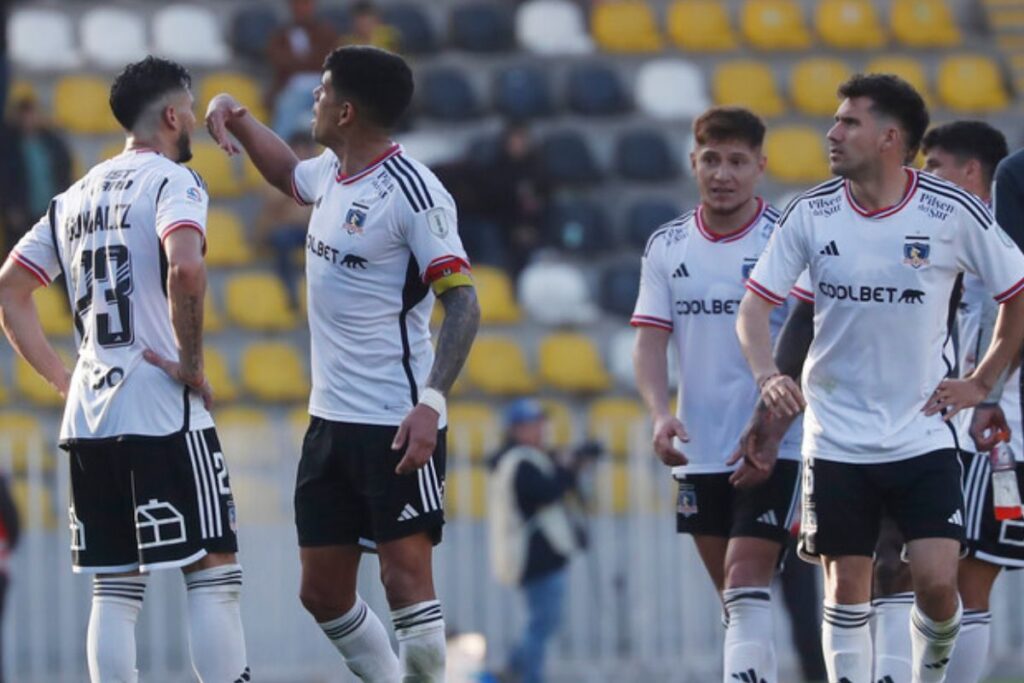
point(933, 643)
point(892, 638)
point(110, 643)
point(749, 640)
point(846, 642)
point(215, 638)
point(967, 664)
point(419, 629)
point(361, 639)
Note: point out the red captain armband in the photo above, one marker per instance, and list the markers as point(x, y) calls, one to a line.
point(447, 272)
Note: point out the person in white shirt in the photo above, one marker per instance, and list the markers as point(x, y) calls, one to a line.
point(884, 246)
point(149, 484)
point(382, 243)
point(692, 279)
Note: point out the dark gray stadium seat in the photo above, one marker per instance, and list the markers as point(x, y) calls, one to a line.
point(620, 284)
point(446, 94)
point(251, 29)
point(338, 17)
point(595, 89)
point(413, 25)
point(567, 159)
point(482, 27)
point(523, 92)
point(645, 155)
point(578, 226)
point(645, 216)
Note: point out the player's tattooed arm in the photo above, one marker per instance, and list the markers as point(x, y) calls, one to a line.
point(461, 321)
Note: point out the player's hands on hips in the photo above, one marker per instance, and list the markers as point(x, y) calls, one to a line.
point(221, 111)
point(197, 383)
point(988, 426)
point(954, 395)
point(418, 433)
point(758, 450)
point(667, 427)
point(782, 395)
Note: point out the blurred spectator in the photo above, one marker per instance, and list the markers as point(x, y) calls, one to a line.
point(367, 28)
point(296, 53)
point(281, 224)
point(9, 532)
point(35, 165)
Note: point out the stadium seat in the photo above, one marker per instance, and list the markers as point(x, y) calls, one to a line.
point(924, 23)
point(849, 24)
point(614, 422)
point(81, 105)
point(554, 293)
point(257, 301)
point(645, 216)
point(972, 84)
point(620, 284)
point(447, 94)
point(212, 319)
point(700, 26)
point(620, 357)
point(98, 26)
point(570, 362)
point(613, 483)
point(497, 300)
point(671, 90)
point(227, 243)
point(625, 26)
point(22, 436)
point(796, 154)
point(259, 498)
point(813, 84)
point(216, 169)
point(56, 52)
point(559, 430)
point(578, 226)
point(566, 159)
point(482, 27)
point(474, 431)
point(248, 436)
point(774, 25)
point(750, 84)
point(190, 34)
point(54, 310)
point(595, 89)
point(522, 92)
point(251, 29)
point(224, 387)
point(35, 503)
point(244, 88)
point(465, 494)
point(497, 366)
point(36, 389)
point(273, 371)
point(906, 67)
point(552, 27)
point(645, 155)
point(417, 34)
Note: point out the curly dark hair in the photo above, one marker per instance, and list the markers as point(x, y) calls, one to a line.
point(142, 83)
point(894, 97)
point(378, 80)
point(967, 140)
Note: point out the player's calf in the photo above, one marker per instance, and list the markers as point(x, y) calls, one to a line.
point(405, 567)
point(110, 646)
point(216, 639)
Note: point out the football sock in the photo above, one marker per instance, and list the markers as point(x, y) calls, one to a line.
point(846, 642)
point(110, 641)
point(892, 637)
point(967, 663)
point(362, 641)
point(933, 643)
point(215, 638)
point(749, 640)
point(419, 629)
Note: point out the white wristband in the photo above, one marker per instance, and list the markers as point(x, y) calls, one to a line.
point(434, 399)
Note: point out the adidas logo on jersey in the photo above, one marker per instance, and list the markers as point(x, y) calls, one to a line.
point(681, 271)
point(941, 664)
point(408, 512)
point(748, 676)
point(769, 518)
point(956, 518)
point(830, 249)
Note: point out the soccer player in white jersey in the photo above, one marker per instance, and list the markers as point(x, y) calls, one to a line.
point(149, 484)
point(693, 273)
point(884, 245)
point(382, 243)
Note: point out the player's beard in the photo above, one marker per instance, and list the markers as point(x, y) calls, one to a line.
point(184, 144)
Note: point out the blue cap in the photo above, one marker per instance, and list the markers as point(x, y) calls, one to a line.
point(523, 410)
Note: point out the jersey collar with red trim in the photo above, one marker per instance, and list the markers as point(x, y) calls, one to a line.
point(885, 212)
point(349, 179)
point(735, 234)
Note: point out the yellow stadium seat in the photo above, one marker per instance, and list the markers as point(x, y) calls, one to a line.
point(774, 25)
point(81, 105)
point(748, 83)
point(248, 435)
point(22, 436)
point(465, 492)
point(273, 371)
point(796, 154)
point(5, 393)
point(298, 423)
point(54, 313)
point(571, 362)
point(700, 25)
point(226, 241)
point(559, 430)
point(36, 389)
point(242, 87)
point(257, 301)
point(497, 365)
point(813, 84)
point(626, 26)
point(217, 372)
point(972, 84)
point(35, 504)
point(216, 169)
point(473, 429)
point(908, 68)
point(613, 488)
point(497, 300)
point(258, 497)
point(924, 23)
point(613, 421)
point(212, 319)
point(849, 24)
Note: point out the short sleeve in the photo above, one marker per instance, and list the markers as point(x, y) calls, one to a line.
point(432, 235)
point(803, 289)
point(36, 252)
point(308, 175)
point(992, 255)
point(182, 203)
point(783, 259)
point(654, 302)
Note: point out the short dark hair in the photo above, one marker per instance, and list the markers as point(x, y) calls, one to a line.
point(891, 96)
point(379, 81)
point(967, 140)
point(720, 124)
point(141, 84)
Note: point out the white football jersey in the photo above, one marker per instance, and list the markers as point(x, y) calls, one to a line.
point(882, 282)
point(377, 240)
point(105, 235)
point(691, 284)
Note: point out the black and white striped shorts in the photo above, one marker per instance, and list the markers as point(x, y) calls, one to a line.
point(989, 539)
point(150, 503)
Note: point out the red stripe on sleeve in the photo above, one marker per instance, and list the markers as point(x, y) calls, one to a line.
point(25, 263)
point(803, 294)
point(765, 293)
point(1011, 292)
point(650, 321)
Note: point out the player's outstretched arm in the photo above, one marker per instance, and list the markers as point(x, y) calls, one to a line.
point(273, 158)
point(780, 393)
point(650, 365)
point(20, 321)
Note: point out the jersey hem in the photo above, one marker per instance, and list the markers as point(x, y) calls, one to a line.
point(1011, 292)
point(765, 293)
point(875, 459)
point(650, 321)
point(684, 470)
point(375, 420)
point(31, 267)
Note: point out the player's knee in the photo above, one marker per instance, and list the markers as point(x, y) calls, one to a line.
point(749, 572)
point(324, 600)
point(936, 598)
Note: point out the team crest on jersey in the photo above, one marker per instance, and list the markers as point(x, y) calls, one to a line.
point(915, 251)
point(748, 267)
point(194, 194)
point(686, 505)
point(355, 219)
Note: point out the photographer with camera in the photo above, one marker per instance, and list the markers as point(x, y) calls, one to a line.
point(535, 528)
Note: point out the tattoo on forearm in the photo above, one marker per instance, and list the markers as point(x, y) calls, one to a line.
point(188, 326)
point(461, 320)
